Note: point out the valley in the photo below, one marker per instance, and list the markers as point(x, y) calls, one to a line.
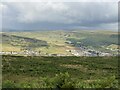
point(60, 43)
point(60, 59)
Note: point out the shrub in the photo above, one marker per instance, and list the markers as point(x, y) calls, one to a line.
point(62, 80)
point(109, 82)
point(8, 84)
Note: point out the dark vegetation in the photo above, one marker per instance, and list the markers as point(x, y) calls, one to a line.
point(59, 72)
point(95, 40)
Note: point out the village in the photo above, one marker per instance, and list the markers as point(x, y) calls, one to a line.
point(78, 51)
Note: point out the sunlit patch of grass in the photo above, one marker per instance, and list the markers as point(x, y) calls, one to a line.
point(8, 47)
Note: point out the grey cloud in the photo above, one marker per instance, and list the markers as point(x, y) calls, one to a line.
point(62, 15)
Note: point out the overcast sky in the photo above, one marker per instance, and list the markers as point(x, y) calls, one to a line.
point(59, 15)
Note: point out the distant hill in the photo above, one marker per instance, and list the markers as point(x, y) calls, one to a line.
point(22, 41)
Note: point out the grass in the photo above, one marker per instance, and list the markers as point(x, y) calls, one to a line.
point(49, 36)
point(97, 40)
point(55, 40)
point(112, 46)
point(8, 47)
point(56, 49)
point(86, 70)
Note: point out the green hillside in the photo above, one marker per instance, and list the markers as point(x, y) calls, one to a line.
point(21, 42)
point(94, 39)
point(39, 72)
point(54, 42)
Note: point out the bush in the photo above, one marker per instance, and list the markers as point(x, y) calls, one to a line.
point(62, 80)
point(8, 84)
point(109, 82)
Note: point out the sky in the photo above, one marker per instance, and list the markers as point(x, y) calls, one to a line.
point(101, 15)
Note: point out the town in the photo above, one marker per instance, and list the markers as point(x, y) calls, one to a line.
point(59, 43)
point(78, 51)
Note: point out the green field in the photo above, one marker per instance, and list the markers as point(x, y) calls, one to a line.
point(59, 72)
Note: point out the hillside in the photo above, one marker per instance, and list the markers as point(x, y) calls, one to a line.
point(21, 42)
point(62, 42)
point(32, 72)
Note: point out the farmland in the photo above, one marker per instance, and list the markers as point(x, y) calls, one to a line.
point(61, 42)
point(45, 72)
